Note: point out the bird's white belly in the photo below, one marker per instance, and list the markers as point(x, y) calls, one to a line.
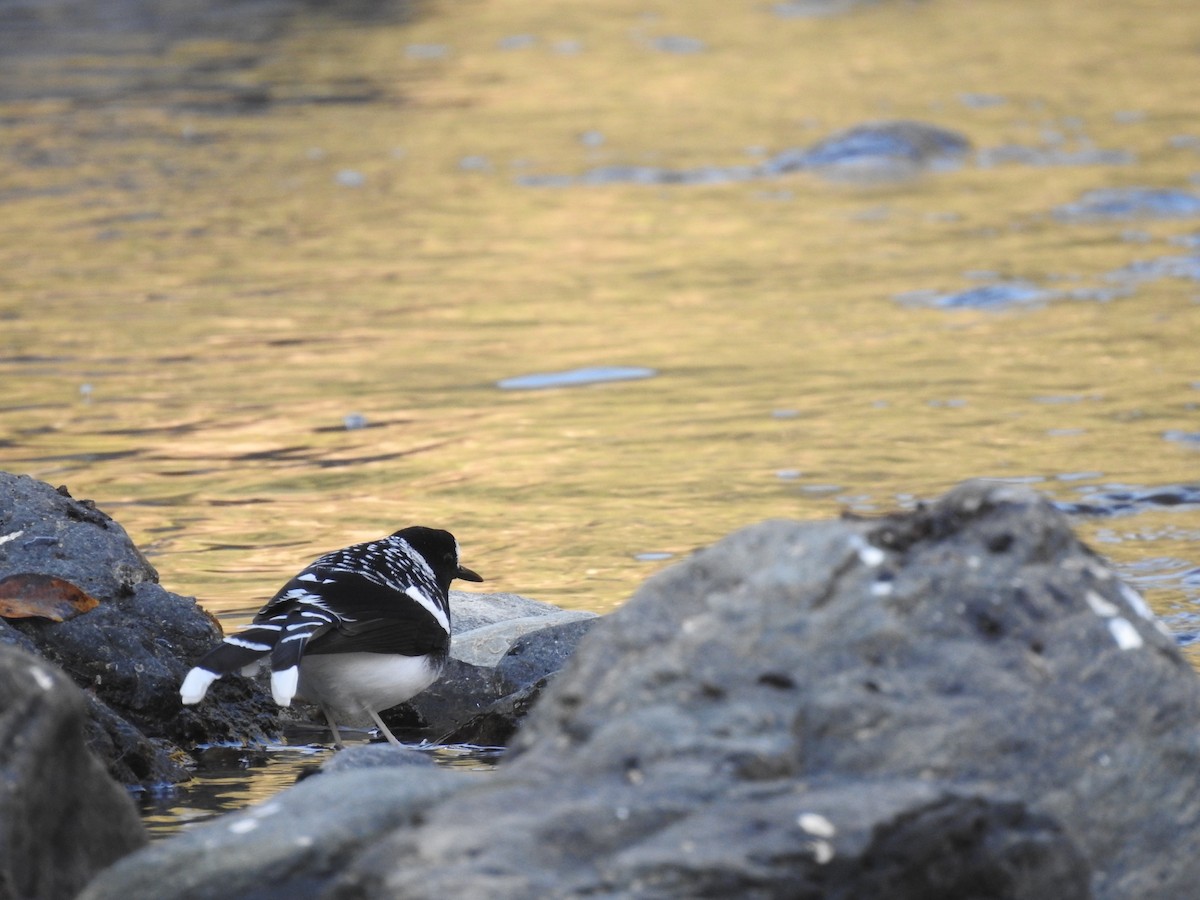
point(350, 685)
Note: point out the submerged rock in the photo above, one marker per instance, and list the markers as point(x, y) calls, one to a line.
point(62, 818)
point(958, 701)
point(877, 150)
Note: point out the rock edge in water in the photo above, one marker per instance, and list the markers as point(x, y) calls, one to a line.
point(958, 701)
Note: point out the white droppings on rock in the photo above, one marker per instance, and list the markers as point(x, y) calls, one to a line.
point(822, 852)
point(42, 677)
point(816, 824)
point(1124, 633)
point(11, 537)
point(868, 554)
point(253, 818)
point(1137, 602)
point(1101, 607)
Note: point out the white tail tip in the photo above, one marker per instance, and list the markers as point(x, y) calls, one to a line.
point(284, 684)
point(195, 685)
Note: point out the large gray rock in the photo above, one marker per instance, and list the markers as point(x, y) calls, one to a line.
point(132, 650)
point(62, 818)
point(958, 702)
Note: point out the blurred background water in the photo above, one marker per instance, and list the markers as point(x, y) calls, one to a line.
point(593, 284)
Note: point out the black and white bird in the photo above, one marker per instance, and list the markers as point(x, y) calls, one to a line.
point(357, 632)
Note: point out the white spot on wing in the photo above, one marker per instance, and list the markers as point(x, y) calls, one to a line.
point(284, 684)
point(247, 645)
point(195, 685)
point(436, 611)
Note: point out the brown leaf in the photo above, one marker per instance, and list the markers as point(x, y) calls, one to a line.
point(27, 595)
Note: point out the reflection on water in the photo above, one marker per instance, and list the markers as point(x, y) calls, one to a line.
point(262, 283)
point(230, 778)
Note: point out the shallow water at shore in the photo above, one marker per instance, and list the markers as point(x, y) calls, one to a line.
point(274, 283)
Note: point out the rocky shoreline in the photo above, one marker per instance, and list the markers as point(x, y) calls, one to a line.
point(958, 701)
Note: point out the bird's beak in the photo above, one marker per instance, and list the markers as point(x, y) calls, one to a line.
point(467, 575)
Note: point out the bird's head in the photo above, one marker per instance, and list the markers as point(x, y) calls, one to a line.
point(440, 549)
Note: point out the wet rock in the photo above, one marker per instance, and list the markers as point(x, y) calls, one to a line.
point(62, 818)
point(131, 651)
point(957, 701)
point(877, 150)
point(1131, 203)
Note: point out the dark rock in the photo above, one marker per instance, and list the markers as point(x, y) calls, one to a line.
point(961, 701)
point(1110, 500)
point(131, 652)
point(877, 150)
point(62, 818)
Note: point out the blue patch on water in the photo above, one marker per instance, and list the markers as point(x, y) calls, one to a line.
point(1001, 295)
point(1015, 154)
point(574, 377)
point(652, 556)
point(891, 149)
point(1162, 267)
point(1183, 437)
point(674, 43)
point(1131, 203)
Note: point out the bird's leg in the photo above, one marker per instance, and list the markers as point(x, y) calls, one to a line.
point(337, 737)
point(384, 730)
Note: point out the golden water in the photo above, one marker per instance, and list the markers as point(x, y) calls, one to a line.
point(213, 251)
